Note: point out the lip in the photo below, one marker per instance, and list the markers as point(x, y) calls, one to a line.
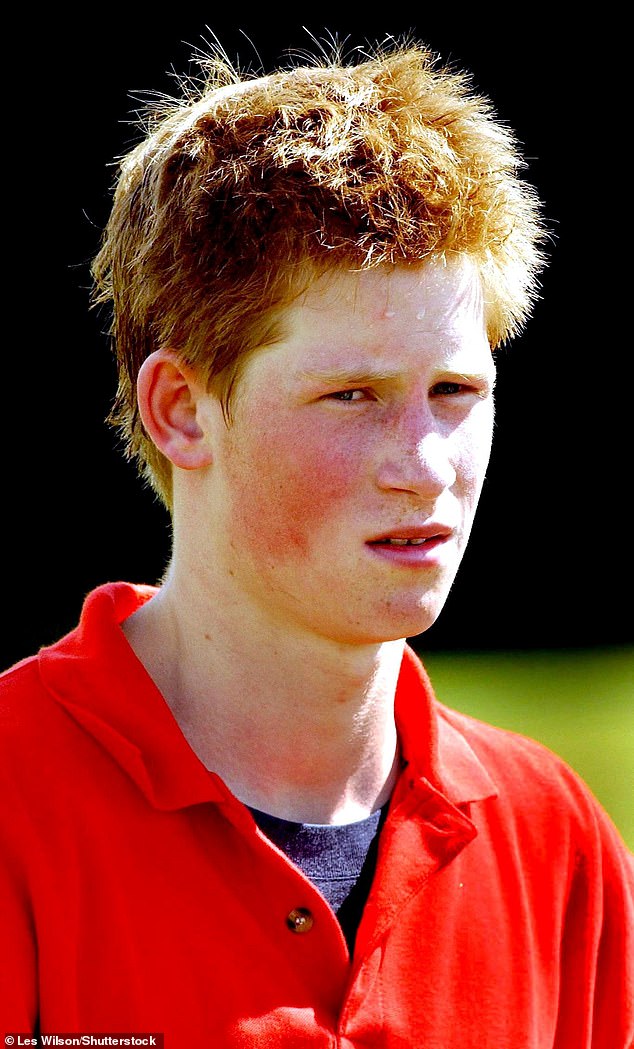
point(426, 553)
point(428, 531)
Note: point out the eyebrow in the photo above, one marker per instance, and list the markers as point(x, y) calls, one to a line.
point(347, 377)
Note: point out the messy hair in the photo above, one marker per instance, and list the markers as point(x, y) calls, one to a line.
point(248, 185)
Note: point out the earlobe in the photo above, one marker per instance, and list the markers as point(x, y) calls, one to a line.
point(168, 394)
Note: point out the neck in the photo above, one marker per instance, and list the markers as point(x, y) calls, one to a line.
point(296, 725)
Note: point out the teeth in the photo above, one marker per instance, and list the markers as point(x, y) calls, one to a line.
point(406, 542)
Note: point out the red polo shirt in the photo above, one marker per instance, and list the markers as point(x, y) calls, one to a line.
point(139, 895)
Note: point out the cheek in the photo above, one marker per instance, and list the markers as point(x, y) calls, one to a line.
point(284, 487)
point(473, 460)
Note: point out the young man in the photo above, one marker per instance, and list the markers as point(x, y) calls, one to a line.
point(245, 820)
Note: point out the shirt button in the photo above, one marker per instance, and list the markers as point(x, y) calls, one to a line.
point(300, 920)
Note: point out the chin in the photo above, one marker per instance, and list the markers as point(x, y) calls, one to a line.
point(417, 616)
point(384, 628)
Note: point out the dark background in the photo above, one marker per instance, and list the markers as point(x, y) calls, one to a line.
point(548, 565)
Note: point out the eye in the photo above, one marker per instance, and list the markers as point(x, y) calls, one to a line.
point(347, 396)
point(444, 389)
point(480, 387)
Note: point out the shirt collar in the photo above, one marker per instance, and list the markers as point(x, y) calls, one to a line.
point(96, 677)
point(434, 748)
point(94, 674)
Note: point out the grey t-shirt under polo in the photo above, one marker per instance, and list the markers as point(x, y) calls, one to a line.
point(339, 859)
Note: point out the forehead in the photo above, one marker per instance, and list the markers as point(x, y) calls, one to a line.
point(391, 314)
point(435, 294)
point(399, 321)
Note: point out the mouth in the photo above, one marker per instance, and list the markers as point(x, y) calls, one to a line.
point(416, 545)
point(413, 535)
point(418, 541)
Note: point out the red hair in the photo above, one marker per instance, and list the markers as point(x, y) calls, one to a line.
point(240, 192)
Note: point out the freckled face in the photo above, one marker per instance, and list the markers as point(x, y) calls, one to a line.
point(342, 495)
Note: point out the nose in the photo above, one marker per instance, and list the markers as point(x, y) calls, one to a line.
point(416, 456)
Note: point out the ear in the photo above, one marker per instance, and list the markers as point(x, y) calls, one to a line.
point(168, 393)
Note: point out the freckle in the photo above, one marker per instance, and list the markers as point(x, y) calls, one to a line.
point(207, 637)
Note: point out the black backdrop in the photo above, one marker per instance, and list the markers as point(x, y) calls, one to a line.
point(549, 558)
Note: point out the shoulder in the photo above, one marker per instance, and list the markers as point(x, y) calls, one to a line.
point(35, 731)
point(82, 656)
point(541, 800)
point(519, 762)
point(21, 691)
point(523, 769)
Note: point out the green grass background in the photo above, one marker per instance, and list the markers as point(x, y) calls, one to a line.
point(579, 703)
